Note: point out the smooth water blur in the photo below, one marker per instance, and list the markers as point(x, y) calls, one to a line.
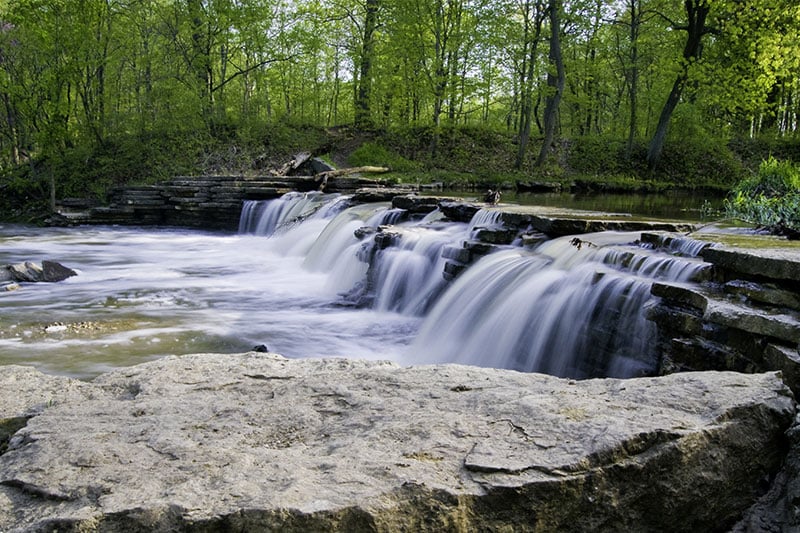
point(563, 310)
point(305, 277)
point(142, 294)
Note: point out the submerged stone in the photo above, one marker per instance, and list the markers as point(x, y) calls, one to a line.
point(257, 442)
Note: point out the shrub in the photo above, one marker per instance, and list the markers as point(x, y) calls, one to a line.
point(770, 199)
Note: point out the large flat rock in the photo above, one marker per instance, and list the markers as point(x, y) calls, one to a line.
point(256, 442)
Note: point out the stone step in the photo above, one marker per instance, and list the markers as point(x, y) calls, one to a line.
point(777, 264)
point(716, 309)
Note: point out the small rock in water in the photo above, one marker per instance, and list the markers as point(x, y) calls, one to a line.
point(8, 286)
point(29, 271)
point(52, 271)
point(55, 328)
point(261, 348)
point(26, 271)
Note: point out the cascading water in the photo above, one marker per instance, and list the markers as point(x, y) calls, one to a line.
point(572, 308)
point(265, 218)
point(311, 274)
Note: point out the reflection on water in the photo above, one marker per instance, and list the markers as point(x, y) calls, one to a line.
point(676, 205)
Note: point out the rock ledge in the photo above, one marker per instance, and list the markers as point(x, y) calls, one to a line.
point(257, 442)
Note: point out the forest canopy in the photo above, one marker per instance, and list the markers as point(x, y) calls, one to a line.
point(81, 75)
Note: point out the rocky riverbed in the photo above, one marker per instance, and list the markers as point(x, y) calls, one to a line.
point(256, 442)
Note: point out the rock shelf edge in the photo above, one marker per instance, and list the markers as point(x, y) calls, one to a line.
point(258, 442)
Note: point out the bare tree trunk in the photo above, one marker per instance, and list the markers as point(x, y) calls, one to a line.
point(555, 82)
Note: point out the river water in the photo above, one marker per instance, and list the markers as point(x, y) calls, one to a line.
point(295, 279)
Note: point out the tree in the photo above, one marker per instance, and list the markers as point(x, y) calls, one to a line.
point(363, 112)
point(555, 81)
point(696, 16)
point(533, 15)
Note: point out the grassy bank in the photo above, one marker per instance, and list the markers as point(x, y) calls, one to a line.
point(458, 158)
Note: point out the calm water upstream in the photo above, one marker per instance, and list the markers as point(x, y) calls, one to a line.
point(288, 283)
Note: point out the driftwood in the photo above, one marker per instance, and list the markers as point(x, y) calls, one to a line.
point(293, 164)
point(324, 176)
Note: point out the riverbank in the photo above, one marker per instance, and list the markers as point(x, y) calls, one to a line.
point(466, 158)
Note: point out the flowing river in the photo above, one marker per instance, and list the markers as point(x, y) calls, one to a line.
point(298, 280)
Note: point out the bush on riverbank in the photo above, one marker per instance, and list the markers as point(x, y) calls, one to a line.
point(770, 198)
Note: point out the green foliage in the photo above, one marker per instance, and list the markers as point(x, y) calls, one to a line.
point(693, 162)
point(770, 198)
point(595, 154)
point(699, 163)
point(371, 153)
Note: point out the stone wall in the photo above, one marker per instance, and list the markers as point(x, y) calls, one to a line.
point(205, 202)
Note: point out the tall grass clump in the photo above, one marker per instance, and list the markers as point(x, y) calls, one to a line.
point(770, 199)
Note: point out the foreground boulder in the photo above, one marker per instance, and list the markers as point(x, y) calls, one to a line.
point(256, 442)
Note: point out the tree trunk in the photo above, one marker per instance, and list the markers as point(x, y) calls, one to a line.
point(363, 111)
point(555, 82)
point(633, 70)
point(526, 82)
point(696, 12)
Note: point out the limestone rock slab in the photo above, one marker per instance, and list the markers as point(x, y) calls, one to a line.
point(256, 442)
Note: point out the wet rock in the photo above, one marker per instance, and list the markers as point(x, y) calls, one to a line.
point(458, 211)
point(364, 231)
point(767, 293)
point(705, 328)
point(387, 236)
point(532, 240)
point(452, 270)
point(417, 204)
point(256, 442)
point(27, 271)
point(495, 235)
point(775, 325)
point(55, 272)
point(378, 194)
point(47, 271)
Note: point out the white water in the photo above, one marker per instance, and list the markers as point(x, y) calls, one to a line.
point(288, 280)
point(564, 310)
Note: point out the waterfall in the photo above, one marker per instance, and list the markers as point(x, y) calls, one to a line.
point(574, 306)
point(563, 310)
point(408, 276)
point(267, 217)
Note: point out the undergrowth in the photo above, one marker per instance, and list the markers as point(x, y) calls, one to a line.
point(770, 198)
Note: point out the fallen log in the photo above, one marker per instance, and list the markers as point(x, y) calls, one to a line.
point(293, 164)
point(324, 176)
